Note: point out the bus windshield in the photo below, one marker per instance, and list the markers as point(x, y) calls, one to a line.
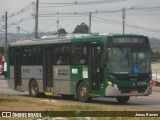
point(123, 60)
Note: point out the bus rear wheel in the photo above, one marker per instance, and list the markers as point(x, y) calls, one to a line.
point(83, 93)
point(33, 89)
point(123, 99)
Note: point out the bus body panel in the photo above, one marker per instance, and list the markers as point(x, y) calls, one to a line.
point(61, 78)
point(27, 74)
point(78, 73)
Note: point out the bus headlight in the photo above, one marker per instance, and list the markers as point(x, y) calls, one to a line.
point(112, 84)
point(109, 83)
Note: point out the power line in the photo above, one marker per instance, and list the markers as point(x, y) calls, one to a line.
point(22, 20)
point(7, 33)
point(20, 28)
point(2, 19)
point(26, 8)
point(144, 28)
point(78, 14)
point(79, 3)
point(108, 21)
point(65, 18)
point(147, 4)
point(49, 26)
point(147, 8)
point(100, 12)
point(132, 26)
point(82, 13)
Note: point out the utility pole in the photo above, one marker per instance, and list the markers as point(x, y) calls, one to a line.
point(123, 18)
point(18, 29)
point(90, 17)
point(57, 25)
point(6, 39)
point(36, 19)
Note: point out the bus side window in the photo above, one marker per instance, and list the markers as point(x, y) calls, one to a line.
point(62, 55)
point(79, 54)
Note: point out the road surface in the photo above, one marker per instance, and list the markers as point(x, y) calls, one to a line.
point(149, 103)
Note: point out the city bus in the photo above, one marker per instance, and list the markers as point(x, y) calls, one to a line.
point(116, 66)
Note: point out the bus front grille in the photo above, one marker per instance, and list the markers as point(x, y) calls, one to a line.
point(131, 77)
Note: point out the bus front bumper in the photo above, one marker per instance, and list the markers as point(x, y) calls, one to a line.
point(113, 92)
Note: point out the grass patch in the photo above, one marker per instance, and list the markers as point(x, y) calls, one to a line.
point(4, 101)
point(8, 99)
point(110, 118)
point(81, 107)
point(25, 101)
point(91, 107)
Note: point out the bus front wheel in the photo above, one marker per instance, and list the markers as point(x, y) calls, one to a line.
point(83, 93)
point(123, 99)
point(33, 89)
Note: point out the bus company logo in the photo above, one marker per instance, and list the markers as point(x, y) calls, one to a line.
point(6, 114)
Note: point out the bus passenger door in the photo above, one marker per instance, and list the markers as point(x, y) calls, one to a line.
point(95, 61)
point(48, 69)
point(17, 69)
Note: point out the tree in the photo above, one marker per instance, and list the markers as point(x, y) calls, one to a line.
point(157, 54)
point(62, 31)
point(82, 28)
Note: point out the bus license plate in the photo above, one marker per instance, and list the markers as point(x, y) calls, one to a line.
point(134, 92)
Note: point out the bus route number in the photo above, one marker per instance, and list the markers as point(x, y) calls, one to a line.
point(26, 70)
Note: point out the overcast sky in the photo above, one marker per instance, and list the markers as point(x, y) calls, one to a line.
point(138, 20)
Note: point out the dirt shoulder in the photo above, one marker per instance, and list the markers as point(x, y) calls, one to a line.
point(26, 103)
point(156, 89)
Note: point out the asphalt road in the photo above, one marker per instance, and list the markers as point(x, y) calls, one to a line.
point(148, 103)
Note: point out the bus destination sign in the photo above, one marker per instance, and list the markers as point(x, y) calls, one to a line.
point(128, 40)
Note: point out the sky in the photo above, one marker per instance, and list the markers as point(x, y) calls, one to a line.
point(141, 16)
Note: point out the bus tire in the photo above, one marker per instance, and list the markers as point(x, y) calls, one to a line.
point(33, 89)
point(123, 99)
point(83, 93)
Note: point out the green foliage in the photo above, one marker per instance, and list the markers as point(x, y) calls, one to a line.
point(155, 55)
point(62, 31)
point(82, 28)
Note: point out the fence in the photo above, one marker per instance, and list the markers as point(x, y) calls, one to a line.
point(156, 74)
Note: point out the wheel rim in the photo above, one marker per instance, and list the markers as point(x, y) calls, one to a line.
point(83, 92)
point(34, 89)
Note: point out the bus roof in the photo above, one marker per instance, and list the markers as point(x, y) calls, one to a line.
point(55, 40)
point(65, 40)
